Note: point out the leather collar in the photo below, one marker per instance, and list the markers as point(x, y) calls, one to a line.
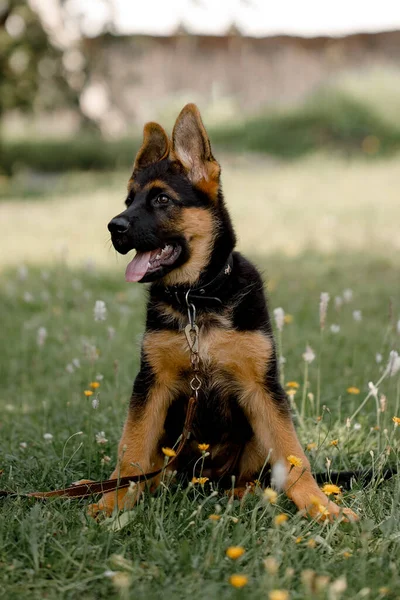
point(203, 295)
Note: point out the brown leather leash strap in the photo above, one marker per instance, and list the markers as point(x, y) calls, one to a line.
point(84, 490)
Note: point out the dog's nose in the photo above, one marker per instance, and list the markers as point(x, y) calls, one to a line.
point(118, 225)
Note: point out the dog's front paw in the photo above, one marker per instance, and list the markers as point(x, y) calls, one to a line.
point(122, 499)
point(323, 509)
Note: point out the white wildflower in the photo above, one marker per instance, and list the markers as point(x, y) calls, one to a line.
point(69, 368)
point(28, 298)
point(323, 307)
point(357, 426)
point(41, 336)
point(95, 403)
point(23, 445)
point(109, 573)
point(22, 273)
point(382, 402)
point(279, 475)
point(378, 357)
point(393, 365)
point(279, 315)
point(337, 588)
point(373, 389)
point(309, 354)
point(76, 362)
point(105, 460)
point(111, 332)
point(338, 302)
point(48, 437)
point(335, 328)
point(348, 423)
point(357, 315)
point(101, 438)
point(90, 265)
point(99, 377)
point(348, 295)
point(100, 311)
point(132, 487)
point(282, 360)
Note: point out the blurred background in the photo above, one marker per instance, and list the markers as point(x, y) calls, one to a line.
point(301, 100)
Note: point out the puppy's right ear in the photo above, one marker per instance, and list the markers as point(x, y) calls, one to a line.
point(155, 147)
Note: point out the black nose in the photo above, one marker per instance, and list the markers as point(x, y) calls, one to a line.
point(118, 225)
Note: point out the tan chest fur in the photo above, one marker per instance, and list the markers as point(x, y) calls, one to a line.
point(242, 355)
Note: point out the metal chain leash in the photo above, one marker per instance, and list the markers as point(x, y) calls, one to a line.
point(192, 337)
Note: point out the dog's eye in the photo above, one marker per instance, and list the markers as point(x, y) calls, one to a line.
point(162, 199)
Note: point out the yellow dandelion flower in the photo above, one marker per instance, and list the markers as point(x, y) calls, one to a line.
point(311, 446)
point(347, 554)
point(323, 512)
point(280, 519)
point(278, 595)
point(330, 488)
point(396, 420)
point(334, 442)
point(293, 384)
point(88, 392)
point(94, 385)
point(203, 447)
point(311, 543)
point(288, 319)
point(214, 517)
point(295, 461)
point(298, 540)
point(235, 552)
point(168, 452)
point(353, 390)
point(238, 581)
point(200, 480)
point(384, 591)
point(291, 393)
point(270, 495)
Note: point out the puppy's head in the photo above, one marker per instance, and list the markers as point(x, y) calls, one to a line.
point(173, 193)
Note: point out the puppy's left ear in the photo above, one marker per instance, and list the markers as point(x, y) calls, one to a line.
point(191, 146)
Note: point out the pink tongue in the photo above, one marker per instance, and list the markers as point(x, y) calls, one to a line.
point(137, 268)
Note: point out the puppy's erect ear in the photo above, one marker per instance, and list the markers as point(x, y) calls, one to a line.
point(155, 147)
point(191, 146)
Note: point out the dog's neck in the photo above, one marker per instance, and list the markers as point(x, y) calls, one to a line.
point(203, 294)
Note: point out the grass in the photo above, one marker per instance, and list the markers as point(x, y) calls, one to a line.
point(168, 547)
point(320, 203)
point(319, 224)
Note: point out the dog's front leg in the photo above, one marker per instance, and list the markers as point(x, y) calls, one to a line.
point(275, 437)
point(138, 448)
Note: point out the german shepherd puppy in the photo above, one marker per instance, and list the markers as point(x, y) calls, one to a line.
point(177, 221)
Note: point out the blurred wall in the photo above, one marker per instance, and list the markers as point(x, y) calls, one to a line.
point(137, 78)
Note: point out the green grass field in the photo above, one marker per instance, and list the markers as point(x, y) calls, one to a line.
point(168, 547)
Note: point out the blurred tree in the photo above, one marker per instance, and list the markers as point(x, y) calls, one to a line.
point(33, 75)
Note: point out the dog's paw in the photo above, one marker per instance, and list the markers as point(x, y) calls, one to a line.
point(322, 511)
point(100, 510)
